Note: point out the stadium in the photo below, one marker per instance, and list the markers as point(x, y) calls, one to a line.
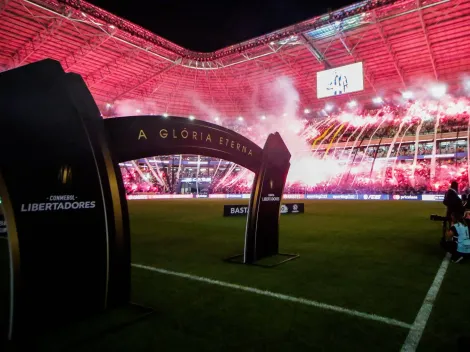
point(374, 149)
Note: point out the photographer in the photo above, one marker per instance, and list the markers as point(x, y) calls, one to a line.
point(453, 203)
point(466, 201)
point(457, 239)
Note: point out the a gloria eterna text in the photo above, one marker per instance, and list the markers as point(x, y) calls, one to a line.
point(58, 203)
point(200, 136)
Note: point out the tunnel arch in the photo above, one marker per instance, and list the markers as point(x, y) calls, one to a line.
point(135, 137)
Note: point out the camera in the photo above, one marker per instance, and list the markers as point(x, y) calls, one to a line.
point(435, 217)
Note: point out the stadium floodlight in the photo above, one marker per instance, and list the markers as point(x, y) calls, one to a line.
point(165, 115)
point(407, 95)
point(377, 100)
point(240, 118)
point(307, 111)
point(216, 119)
point(352, 104)
point(191, 117)
point(329, 107)
point(138, 111)
point(438, 90)
point(263, 117)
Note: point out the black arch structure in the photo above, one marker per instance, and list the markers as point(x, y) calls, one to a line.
point(64, 202)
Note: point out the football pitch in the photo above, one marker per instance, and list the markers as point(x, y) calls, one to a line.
point(368, 275)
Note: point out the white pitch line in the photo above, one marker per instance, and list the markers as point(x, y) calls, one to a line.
point(416, 331)
point(280, 296)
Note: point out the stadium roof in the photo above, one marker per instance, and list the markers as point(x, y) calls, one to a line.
point(401, 43)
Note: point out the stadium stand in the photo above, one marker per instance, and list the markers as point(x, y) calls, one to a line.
point(398, 143)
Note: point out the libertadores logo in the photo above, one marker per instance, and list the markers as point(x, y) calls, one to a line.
point(372, 196)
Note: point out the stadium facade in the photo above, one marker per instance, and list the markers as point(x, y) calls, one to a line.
point(402, 45)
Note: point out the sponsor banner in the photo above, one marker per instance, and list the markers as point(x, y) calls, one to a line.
point(293, 208)
point(159, 196)
point(316, 196)
point(406, 197)
point(343, 196)
point(235, 196)
point(294, 196)
point(374, 196)
point(235, 210)
point(425, 197)
point(432, 197)
point(239, 210)
point(218, 196)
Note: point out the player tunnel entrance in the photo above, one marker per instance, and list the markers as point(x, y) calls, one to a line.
point(182, 176)
point(136, 137)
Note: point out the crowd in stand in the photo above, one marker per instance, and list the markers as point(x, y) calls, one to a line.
point(412, 167)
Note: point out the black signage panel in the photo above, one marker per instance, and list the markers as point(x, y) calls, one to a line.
point(262, 233)
point(242, 210)
point(64, 208)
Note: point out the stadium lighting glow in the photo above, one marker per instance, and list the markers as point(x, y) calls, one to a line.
point(191, 117)
point(466, 84)
point(285, 114)
point(240, 118)
point(216, 119)
point(377, 100)
point(108, 105)
point(165, 115)
point(328, 107)
point(407, 95)
point(263, 117)
point(438, 91)
point(352, 104)
point(138, 111)
point(306, 111)
point(272, 43)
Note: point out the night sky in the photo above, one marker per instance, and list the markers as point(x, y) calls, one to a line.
point(211, 25)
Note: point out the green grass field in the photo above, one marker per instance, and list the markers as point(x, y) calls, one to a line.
point(373, 257)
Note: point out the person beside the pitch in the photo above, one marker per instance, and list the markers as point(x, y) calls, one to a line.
point(453, 202)
point(457, 239)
